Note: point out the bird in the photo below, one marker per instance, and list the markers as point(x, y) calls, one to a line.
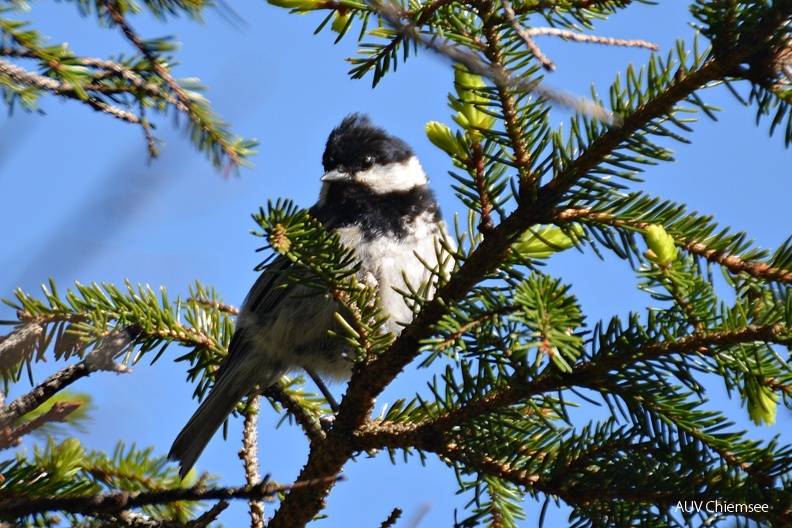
point(376, 196)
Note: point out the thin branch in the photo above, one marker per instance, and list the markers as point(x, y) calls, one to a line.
point(113, 111)
point(526, 37)
point(308, 420)
point(209, 516)
point(391, 15)
point(480, 178)
point(592, 39)
point(123, 500)
point(101, 358)
point(221, 307)
point(249, 457)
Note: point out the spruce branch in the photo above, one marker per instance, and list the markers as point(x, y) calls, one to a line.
point(733, 263)
point(716, 68)
point(424, 16)
point(26, 78)
point(196, 115)
point(506, 96)
point(430, 434)
point(583, 495)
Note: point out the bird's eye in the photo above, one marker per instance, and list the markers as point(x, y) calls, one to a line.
point(368, 162)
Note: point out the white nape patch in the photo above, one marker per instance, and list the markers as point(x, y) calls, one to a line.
point(394, 177)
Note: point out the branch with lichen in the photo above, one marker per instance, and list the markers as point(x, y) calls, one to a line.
point(99, 359)
point(39, 82)
point(116, 502)
point(249, 456)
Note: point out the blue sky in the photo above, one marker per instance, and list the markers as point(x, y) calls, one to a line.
point(81, 203)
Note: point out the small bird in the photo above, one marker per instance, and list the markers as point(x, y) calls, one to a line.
point(375, 194)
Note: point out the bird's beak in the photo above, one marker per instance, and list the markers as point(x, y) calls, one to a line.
point(335, 176)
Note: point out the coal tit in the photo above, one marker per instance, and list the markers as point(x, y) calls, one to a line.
point(376, 196)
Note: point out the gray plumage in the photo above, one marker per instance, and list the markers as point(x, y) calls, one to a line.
point(375, 195)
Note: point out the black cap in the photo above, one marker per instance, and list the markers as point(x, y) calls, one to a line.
point(357, 138)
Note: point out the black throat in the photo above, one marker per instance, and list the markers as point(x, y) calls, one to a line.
point(349, 204)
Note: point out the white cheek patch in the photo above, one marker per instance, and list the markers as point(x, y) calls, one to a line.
point(394, 177)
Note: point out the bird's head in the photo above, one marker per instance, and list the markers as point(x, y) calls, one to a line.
point(362, 154)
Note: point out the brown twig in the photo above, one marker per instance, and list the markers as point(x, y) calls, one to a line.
point(138, 520)
point(526, 37)
point(591, 39)
point(480, 178)
point(59, 412)
point(221, 307)
point(392, 518)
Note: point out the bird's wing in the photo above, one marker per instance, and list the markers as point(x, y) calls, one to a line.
point(269, 289)
point(267, 292)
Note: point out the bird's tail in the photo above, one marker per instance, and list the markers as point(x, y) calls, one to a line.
point(192, 440)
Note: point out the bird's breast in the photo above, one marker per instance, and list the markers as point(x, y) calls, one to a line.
point(393, 260)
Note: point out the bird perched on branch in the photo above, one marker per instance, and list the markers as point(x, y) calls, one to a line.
point(375, 194)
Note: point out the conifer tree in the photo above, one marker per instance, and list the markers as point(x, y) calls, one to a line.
point(506, 345)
